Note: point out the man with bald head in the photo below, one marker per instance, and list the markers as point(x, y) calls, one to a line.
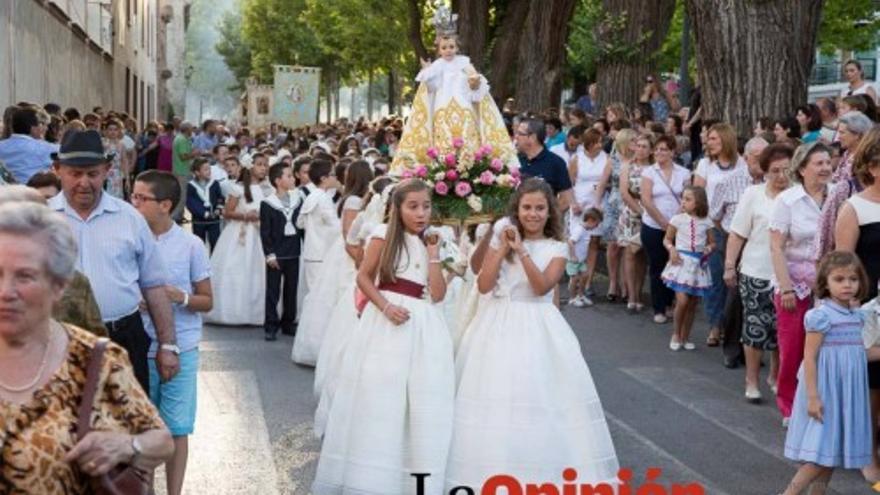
point(727, 196)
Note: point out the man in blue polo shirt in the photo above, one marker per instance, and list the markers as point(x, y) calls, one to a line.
point(26, 152)
point(536, 161)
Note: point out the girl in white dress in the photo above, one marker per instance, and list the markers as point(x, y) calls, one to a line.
point(690, 241)
point(238, 266)
point(344, 318)
point(526, 405)
point(334, 273)
point(391, 415)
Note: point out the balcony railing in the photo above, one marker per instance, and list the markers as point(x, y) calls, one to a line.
point(832, 72)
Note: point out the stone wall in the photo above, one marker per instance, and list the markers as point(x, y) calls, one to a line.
point(42, 59)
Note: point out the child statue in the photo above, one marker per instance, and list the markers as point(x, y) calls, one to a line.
point(452, 101)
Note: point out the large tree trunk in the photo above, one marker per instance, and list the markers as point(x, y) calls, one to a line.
point(473, 28)
point(541, 54)
point(414, 33)
point(502, 57)
point(753, 58)
point(621, 78)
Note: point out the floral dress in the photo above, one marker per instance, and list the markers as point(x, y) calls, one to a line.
point(115, 184)
point(611, 203)
point(629, 225)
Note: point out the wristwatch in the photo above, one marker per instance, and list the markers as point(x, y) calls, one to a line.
point(171, 348)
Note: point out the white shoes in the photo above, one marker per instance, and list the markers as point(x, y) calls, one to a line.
point(674, 345)
point(753, 395)
point(580, 301)
point(660, 319)
point(689, 346)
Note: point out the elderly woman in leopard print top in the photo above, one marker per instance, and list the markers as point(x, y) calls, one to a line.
point(43, 367)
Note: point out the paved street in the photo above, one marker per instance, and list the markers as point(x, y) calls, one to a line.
point(682, 412)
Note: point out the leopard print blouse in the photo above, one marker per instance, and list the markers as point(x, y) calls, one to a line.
point(34, 437)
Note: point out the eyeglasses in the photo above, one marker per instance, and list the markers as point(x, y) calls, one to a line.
point(140, 197)
point(520, 133)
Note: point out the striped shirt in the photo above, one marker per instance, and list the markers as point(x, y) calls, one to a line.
point(117, 252)
point(727, 195)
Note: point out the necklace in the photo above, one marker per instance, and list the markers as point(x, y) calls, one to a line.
point(39, 374)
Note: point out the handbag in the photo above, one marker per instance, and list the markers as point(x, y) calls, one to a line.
point(123, 479)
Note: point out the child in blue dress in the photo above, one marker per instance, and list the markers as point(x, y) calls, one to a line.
point(830, 423)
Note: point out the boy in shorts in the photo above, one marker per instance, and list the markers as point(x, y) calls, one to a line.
point(576, 267)
point(155, 195)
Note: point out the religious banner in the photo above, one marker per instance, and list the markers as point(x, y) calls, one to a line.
point(296, 95)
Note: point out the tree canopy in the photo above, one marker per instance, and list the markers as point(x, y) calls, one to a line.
point(354, 39)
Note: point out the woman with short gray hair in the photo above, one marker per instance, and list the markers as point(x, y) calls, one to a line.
point(850, 130)
point(43, 370)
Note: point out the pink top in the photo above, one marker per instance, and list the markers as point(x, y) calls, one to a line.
point(164, 162)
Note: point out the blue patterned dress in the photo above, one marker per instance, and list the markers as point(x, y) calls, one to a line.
point(843, 438)
point(611, 203)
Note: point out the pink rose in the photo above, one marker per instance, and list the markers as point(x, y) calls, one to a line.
point(486, 149)
point(462, 189)
point(478, 155)
point(407, 174)
point(433, 153)
point(421, 171)
point(451, 175)
point(487, 178)
point(450, 160)
point(441, 188)
point(515, 173)
point(457, 143)
point(496, 164)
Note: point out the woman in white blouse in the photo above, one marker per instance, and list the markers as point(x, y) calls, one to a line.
point(792, 231)
point(722, 161)
point(662, 186)
point(585, 170)
point(750, 235)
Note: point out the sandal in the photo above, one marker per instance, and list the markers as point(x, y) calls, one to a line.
point(713, 341)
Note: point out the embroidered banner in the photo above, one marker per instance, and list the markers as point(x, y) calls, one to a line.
point(296, 93)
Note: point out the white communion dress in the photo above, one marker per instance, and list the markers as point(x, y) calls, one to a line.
point(343, 323)
point(334, 275)
point(391, 415)
point(238, 267)
point(525, 404)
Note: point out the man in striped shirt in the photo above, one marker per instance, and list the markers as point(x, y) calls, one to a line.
point(118, 254)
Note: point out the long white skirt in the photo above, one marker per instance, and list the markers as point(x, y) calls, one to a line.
point(340, 331)
point(336, 272)
point(238, 276)
point(526, 404)
point(391, 415)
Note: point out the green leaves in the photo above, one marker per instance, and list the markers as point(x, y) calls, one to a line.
point(849, 25)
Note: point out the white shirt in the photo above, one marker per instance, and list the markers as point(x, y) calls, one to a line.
point(796, 215)
point(751, 221)
point(589, 173)
point(562, 152)
point(691, 233)
point(714, 174)
point(117, 252)
point(318, 218)
point(667, 197)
